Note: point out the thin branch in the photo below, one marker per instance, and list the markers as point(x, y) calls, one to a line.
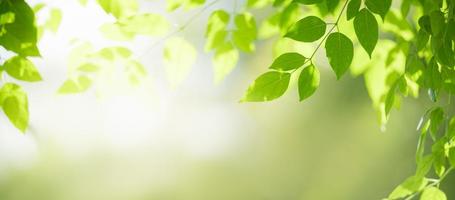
point(178, 30)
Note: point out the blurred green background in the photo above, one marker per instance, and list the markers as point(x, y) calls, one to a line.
point(196, 142)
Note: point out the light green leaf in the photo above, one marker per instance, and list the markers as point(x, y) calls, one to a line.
point(408, 187)
point(146, 24)
point(22, 69)
point(308, 82)
point(308, 29)
point(245, 32)
point(77, 85)
point(224, 61)
point(119, 8)
point(308, 2)
point(258, 3)
point(433, 193)
point(88, 67)
point(20, 36)
point(366, 29)
point(340, 51)
point(136, 72)
point(216, 29)
point(267, 87)
point(172, 5)
point(116, 32)
point(380, 7)
point(15, 105)
point(55, 18)
point(7, 18)
point(353, 8)
point(179, 57)
point(288, 61)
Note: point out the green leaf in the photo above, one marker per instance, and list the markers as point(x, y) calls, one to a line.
point(452, 156)
point(408, 187)
point(258, 3)
point(308, 29)
point(267, 87)
point(436, 118)
point(433, 193)
point(22, 69)
point(172, 5)
point(380, 7)
point(73, 86)
point(7, 18)
point(425, 24)
point(216, 29)
point(224, 61)
point(308, 82)
point(15, 105)
point(424, 165)
point(20, 36)
point(179, 57)
point(366, 29)
point(245, 32)
point(288, 61)
point(332, 5)
point(353, 8)
point(308, 2)
point(119, 8)
point(437, 21)
point(340, 51)
point(289, 16)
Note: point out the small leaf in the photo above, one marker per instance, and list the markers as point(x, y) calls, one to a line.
point(55, 18)
point(224, 61)
point(340, 51)
point(119, 8)
point(308, 82)
point(216, 29)
point(433, 193)
point(22, 69)
point(380, 7)
point(72, 86)
point(245, 32)
point(288, 61)
point(366, 29)
point(146, 24)
point(179, 56)
point(353, 8)
point(15, 105)
point(308, 29)
point(267, 87)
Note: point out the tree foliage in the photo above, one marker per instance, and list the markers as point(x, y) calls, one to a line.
point(409, 43)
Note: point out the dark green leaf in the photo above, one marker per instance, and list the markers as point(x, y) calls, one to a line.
point(20, 36)
point(366, 29)
point(380, 7)
point(353, 8)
